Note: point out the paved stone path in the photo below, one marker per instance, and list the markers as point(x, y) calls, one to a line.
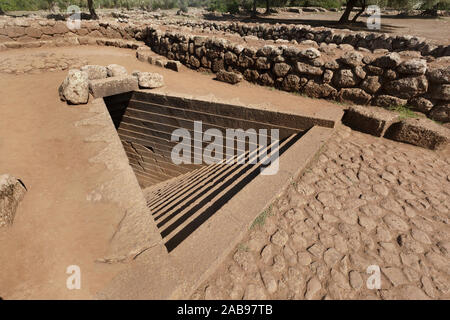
point(366, 201)
point(39, 62)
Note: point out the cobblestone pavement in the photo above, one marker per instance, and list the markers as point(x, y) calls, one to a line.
point(366, 201)
point(39, 62)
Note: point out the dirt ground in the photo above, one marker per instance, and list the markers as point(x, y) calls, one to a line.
point(57, 225)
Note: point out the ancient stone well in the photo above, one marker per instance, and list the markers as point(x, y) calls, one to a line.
point(181, 196)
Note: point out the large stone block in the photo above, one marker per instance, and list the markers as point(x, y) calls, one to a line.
point(372, 120)
point(420, 132)
point(75, 87)
point(230, 77)
point(12, 192)
point(113, 85)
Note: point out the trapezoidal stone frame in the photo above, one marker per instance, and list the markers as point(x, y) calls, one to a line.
point(203, 239)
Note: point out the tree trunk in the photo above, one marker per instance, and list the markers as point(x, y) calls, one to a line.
point(348, 10)
point(92, 9)
point(254, 12)
point(360, 12)
point(267, 7)
point(2, 12)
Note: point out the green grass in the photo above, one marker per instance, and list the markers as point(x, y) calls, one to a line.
point(261, 219)
point(243, 247)
point(404, 112)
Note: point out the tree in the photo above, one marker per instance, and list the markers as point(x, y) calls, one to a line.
point(267, 7)
point(92, 9)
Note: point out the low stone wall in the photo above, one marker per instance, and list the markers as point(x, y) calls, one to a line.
point(38, 32)
point(356, 77)
point(299, 33)
point(348, 75)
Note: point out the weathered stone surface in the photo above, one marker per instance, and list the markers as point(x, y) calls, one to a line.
point(12, 192)
point(389, 101)
point(309, 53)
point(440, 113)
point(372, 120)
point(390, 60)
point(95, 72)
point(291, 83)
point(352, 58)
point(439, 75)
point(281, 69)
point(316, 90)
point(420, 132)
point(421, 104)
point(229, 77)
point(149, 80)
point(113, 85)
point(441, 92)
point(414, 67)
point(75, 87)
point(307, 69)
point(345, 78)
point(407, 87)
point(114, 70)
point(173, 65)
point(354, 95)
point(371, 84)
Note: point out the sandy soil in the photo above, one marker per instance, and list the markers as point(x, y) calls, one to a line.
point(55, 225)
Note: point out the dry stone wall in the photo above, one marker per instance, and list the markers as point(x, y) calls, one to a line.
point(389, 79)
point(380, 78)
point(299, 33)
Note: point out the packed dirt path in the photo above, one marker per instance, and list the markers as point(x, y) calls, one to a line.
point(365, 201)
point(61, 221)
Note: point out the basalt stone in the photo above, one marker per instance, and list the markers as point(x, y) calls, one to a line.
point(441, 92)
point(440, 113)
point(390, 60)
point(371, 84)
point(173, 65)
point(281, 69)
point(309, 53)
point(266, 80)
point(291, 83)
point(217, 65)
point(387, 101)
point(12, 192)
point(316, 90)
point(327, 76)
point(229, 77)
point(408, 87)
point(354, 95)
point(251, 75)
point(262, 63)
point(352, 58)
point(372, 120)
point(359, 72)
point(439, 75)
point(413, 67)
point(421, 104)
point(75, 87)
point(345, 78)
point(374, 70)
point(332, 65)
point(304, 68)
point(420, 132)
